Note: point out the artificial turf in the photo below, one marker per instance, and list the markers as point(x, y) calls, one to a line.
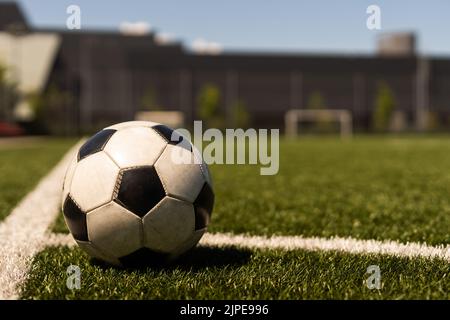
point(22, 166)
point(368, 188)
point(231, 273)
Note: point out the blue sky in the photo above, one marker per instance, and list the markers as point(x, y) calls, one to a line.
point(283, 25)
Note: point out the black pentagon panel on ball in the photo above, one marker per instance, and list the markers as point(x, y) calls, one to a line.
point(203, 206)
point(144, 257)
point(76, 220)
point(95, 143)
point(172, 137)
point(140, 190)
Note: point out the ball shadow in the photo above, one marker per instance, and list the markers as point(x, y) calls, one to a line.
point(197, 259)
point(200, 258)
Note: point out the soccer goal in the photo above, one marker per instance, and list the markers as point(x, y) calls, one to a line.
point(293, 117)
point(173, 119)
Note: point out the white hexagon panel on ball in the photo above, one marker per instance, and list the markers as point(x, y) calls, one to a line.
point(68, 178)
point(114, 230)
point(169, 225)
point(135, 146)
point(95, 252)
point(93, 181)
point(181, 176)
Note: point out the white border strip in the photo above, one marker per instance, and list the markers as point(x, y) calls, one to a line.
point(347, 245)
point(24, 231)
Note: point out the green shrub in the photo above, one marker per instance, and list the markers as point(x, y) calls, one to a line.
point(240, 115)
point(384, 107)
point(208, 102)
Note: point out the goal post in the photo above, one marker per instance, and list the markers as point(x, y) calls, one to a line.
point(293, 117)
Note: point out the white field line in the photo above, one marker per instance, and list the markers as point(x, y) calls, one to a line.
point(24, 232)
point(346, 245)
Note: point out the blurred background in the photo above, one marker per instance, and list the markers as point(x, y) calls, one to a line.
point(229, 64)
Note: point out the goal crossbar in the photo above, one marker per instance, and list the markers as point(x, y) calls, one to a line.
point(294, 116)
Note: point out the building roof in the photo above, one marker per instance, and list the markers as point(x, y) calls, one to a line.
point(11, 15)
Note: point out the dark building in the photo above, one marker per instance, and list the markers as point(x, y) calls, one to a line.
point(109, 73)
point(11, 16)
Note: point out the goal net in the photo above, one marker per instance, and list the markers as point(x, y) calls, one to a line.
point(294, 117)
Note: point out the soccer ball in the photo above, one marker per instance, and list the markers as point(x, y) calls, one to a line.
point(127, 201)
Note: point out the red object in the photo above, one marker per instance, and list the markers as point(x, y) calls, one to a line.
point(10, 130)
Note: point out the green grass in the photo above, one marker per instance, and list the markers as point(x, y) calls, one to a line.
point(370, 188)
point(231, 273)
point(59, 226)
point(21, 168)
point(367, 188)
